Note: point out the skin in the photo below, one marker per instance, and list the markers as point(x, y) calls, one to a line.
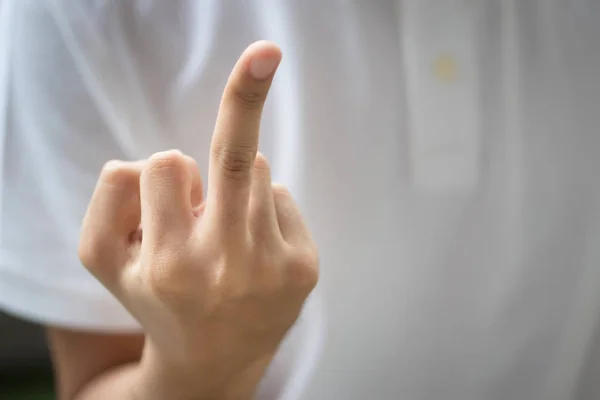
point(216, 283)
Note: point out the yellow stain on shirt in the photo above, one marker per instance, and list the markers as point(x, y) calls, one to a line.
point(445, 68)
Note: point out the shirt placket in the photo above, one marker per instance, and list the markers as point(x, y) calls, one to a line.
point(441, 72)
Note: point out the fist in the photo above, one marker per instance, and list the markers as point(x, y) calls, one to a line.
point(216, 283)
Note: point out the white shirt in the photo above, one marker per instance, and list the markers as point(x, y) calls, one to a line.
point(445, 153)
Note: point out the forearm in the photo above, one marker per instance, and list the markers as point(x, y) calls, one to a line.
point(121, 382)
point(162, 377)
point(128, 382)
point(92, 366)
point(131, 382)
point(153, 378)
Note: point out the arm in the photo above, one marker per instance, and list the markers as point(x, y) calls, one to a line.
point(90, 365)
point(94, 366)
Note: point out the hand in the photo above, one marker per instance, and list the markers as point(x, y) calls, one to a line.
point(216, 284)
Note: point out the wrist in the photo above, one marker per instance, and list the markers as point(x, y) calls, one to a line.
point(163, 377)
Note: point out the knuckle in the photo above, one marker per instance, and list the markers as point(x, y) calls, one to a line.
point(90, 252)
point(281, 192)
point(190, 162)
point(304, 268)
point(112, 167)
point(165, 168)
point(87, 253)
point(235, 161)
point(171, 162)
point(261, 163)
point(118, 173)
point(249, 99)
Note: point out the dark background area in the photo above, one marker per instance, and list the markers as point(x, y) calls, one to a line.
point(25, 372)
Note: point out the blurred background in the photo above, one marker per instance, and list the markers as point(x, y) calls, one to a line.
point(25, 372)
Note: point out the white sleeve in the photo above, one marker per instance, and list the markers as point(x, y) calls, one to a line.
point(82, 83)
point(54, 141)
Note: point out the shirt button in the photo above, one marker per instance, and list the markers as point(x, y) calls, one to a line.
point(445, 68)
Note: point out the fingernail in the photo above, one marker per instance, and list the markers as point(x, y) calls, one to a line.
point(261, 67)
